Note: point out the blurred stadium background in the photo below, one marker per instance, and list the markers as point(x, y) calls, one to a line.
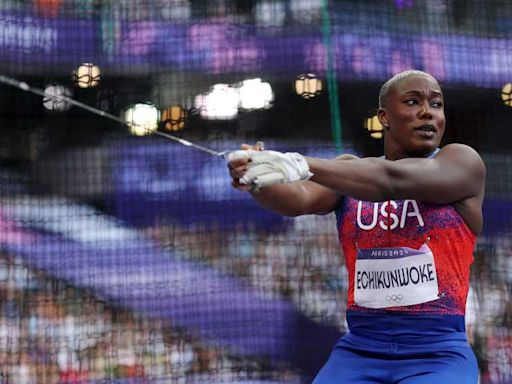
point(128, 258)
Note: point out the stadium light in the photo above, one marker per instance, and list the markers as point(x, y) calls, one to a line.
point(255, 94)
point(87, 75)
point(142, 118)
point(308, 85)
point(506, 94)
point(174, 118)
point(374, 127)
point(221, 103)
point(52, 99)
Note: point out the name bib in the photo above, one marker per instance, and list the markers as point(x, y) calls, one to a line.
point(395, 277)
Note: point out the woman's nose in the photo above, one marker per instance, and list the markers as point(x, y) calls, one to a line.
point(425, 112)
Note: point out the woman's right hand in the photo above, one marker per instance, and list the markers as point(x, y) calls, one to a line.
point(238, 163)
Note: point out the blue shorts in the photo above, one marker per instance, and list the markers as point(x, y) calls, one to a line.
point(415, 360)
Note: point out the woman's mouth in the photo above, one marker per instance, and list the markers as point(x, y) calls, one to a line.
point(426, 130)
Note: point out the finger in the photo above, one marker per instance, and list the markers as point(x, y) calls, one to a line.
point(237, 172)
point(241, 187)
point(240, 155)
point(269, 179)
point(256, 171)
point(259, 146)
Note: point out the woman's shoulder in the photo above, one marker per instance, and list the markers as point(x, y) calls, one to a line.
point(346, 156)
point(462, 152)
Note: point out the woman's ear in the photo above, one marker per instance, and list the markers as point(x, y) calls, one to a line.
point(381, 115)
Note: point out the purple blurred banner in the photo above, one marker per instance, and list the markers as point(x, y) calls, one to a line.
point(130, 46)
point(25, 39)
point(171, 184)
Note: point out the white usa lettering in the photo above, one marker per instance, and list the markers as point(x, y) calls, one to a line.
point(390, 217)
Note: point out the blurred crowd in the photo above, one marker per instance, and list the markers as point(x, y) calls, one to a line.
point(438, 16)
point(53, 333)
point(490, 308)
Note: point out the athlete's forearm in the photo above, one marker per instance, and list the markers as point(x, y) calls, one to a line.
point(284, 199)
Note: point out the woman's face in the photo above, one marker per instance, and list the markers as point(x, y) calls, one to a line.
point(414, 116)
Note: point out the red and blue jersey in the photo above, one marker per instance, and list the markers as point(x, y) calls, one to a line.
point(382, 229)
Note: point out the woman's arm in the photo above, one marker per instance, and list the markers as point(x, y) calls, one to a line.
point(455, 174)
point(298, 198)
point(289, 199)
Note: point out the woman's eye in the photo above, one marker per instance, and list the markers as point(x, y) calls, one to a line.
point(411, 102)
point(437, 104)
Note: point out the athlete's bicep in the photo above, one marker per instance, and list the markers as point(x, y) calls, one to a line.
point(455, 174)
